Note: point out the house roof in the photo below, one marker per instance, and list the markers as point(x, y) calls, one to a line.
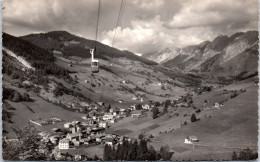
point(76, 134)
point(193, 137)
point(98, 128)
point(55, 129)
point(68, 123)
point(64, 141)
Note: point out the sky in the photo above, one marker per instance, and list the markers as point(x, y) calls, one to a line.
point(144, 26)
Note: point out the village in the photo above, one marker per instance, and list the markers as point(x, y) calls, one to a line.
point(77, 135)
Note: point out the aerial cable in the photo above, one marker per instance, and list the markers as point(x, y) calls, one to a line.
point(117, 23)
point(120, 11)
point(96, 35)
point(99, 1)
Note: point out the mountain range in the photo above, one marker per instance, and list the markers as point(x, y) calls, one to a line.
point(71, 45)
point(222, 56)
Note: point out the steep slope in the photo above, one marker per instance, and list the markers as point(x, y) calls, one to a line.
point(38, 58)
point(220, 55)
point(125, 77)
point(18, 58)
point(244, 62)
point(162, 56)
point(71, 45)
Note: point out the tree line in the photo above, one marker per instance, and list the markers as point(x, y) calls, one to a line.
point(15, 96)
point(133, 151)
point(245, 154)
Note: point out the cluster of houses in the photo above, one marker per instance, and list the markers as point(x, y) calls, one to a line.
point(135, 98)
point(78, 134)
point(91, 130)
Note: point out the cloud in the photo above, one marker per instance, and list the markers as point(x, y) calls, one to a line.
point(215, 13)
point(145, 25)
point(148, 4)
point(194, 22)
point(192, 36)
point(77, 17)
point(142, 37)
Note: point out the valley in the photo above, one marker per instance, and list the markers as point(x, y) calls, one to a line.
point(128, 90)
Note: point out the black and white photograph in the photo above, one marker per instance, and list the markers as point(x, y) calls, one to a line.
point(130, 80)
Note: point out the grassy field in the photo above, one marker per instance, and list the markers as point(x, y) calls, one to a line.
point(132, 127)
point(232, 127)
point(22, 115)
point(111, 81)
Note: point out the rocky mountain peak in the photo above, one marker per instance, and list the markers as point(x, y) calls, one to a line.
point(219, 43)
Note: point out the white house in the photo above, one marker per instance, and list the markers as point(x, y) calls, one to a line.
point(114, 113)
point(133, 107)
point(217, 105)
point(134, 98)
point(77, 157)
point(67, 125)
point(146, 107)
point(187, 141)
point(64, 144)
point(84, 104)
point(75, 122)
point(108, 117)
point(191, 139)
point(101, 103)
point(122, 110)
point(102, 124)
point(112, 121)
point(54, 139)
point(137, 113)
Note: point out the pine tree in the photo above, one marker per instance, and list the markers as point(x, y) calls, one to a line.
point(95, 158)
point(193, 118)
point(155, 112)
point(234, 156)
point(133, 151)
point(106, 153)
point(17, 96)
point(27, 148)
point(167, 103)
point(151, 155)
point(166, 154)
point(141, 136)
point(125, 147)
point(142, 150)
point(138, 107)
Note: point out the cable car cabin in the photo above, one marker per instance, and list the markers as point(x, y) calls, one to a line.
point(95, 66)
point(94, 62)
